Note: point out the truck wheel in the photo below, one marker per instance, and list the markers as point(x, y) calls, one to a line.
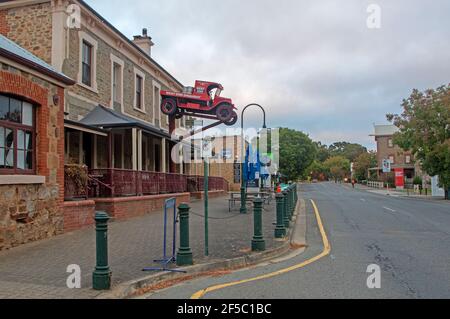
point(224, 112)
point(233, 120)
point(169, 106)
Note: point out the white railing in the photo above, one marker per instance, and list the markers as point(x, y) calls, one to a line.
point(373, 184)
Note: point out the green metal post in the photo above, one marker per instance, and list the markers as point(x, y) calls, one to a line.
point(285, 212)
point(280, 230)
point(101, 278)
point(206, 209)
point(289, 203)
point(258, 242)
point(184, 254)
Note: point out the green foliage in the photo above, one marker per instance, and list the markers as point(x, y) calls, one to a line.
point(317, 171)
point(338, 167)
point(362, 164)
point(417, 180)
point(425, 130)
point(348, 150)
point(297, 152)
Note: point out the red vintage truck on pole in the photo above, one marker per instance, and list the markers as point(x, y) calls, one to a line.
point(203, 101)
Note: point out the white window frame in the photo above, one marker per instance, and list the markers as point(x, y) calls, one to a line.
point(408, 159)
point(138, 72)
point(156, 102)
point(121, 63)
point(84, 37)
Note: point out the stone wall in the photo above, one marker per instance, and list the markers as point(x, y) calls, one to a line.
point(33, 212)
point(104, 76)
point(30, 27)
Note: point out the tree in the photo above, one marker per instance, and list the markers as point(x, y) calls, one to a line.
point(424, 129)
point(338, 166)
point(362, 164)
point(323, 152)
point(297, 152)
point(317, 171)
point(348, 150)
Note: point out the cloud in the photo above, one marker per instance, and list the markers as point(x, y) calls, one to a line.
point(314, 65)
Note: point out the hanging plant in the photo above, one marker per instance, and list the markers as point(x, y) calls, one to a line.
point(78, 174)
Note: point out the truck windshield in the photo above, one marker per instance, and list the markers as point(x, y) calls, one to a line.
point(218, 91)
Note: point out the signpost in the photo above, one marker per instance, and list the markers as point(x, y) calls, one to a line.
point(386, 166)
point(166, 260)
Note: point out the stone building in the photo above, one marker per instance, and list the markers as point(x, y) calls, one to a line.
point(31, 146)
point(116, 146)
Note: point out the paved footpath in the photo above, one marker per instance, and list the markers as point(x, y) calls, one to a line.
point(38, 270)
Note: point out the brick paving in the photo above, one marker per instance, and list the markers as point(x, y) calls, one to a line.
point(38, 270)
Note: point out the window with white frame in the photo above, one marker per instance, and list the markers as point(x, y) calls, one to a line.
point(139, 87)
point(392, 159)
point(156, 104)
point(408, 159)
point(390, 143)
point(87, 73)
point(117, 66)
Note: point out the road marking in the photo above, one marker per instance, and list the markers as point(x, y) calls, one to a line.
point(390, 209)
point(363, 200)
point(326, 251)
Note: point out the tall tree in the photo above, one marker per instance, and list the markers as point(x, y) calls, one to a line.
point(338, 166)
point(348, 150)
point(425, 130)
point(297, 152)
point(362, 164)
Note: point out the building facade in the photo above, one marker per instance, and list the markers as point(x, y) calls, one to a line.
point(31, 147)
point(114, 148)
point(402, 163)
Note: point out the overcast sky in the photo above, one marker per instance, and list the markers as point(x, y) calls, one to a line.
point(314, 64)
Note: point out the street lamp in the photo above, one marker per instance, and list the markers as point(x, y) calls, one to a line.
point(243, 188)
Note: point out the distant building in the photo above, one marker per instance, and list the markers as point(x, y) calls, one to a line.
point(402, 163)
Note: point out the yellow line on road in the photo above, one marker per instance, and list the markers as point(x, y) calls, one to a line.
point(326, 251)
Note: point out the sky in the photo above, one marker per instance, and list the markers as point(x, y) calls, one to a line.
point(314, 65)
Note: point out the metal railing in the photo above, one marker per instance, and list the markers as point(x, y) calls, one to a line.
point(111, 182)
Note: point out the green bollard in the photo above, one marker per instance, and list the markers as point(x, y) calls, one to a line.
point(184, 254)
point(258, 242)
point(290, 203)
point(280, 230)
point(285, 212)
point(101, 278)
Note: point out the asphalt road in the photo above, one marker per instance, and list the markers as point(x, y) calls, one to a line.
point(408, 239)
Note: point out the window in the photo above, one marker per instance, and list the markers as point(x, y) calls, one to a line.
point(16, 136)
point(138, 91)
point(139, 96)
point(156, 105)
point(392, 159)
point(408, 159)
point(117, 67)
point(390, 143)
point(86, 64)
point(117, 85)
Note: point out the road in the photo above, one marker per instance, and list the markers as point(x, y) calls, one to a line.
point(408, 239)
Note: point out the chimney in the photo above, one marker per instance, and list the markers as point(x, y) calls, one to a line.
point(144, 42)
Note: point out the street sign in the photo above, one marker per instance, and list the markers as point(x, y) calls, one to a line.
point(386, 166)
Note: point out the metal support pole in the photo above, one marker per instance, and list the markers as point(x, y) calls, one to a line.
point(285, 212)
point(101, 278)
point(206, 179)
point(258, 242)
point(184, 255)
point(280, 230)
